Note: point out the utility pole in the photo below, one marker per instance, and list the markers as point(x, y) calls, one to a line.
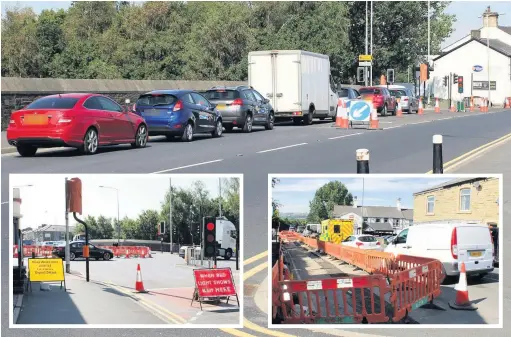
point(371, 68)
point(67, 250)
point(220, 197)
point(367, 46)
point(429, 48)
point(171, 229)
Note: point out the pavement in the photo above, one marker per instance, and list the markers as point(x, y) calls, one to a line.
point(403, 146)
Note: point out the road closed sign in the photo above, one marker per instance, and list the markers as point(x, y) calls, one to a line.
point(46, 270)
point(359, 111)
point(214, 282)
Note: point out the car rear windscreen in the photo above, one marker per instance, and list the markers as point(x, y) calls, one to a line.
point(370, 91)
point(154, 99)
point(398, 93)
point(221, 95)
point(53, 103)
point(343, 93)
point(367, 239)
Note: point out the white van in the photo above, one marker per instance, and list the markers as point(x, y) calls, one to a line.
point(449, 242)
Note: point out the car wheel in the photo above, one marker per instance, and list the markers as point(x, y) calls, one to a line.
point(271, 122)
point(140, 137)
point(228, 128)
point(218, 129)
point(107, 256)
point(72, 256)
point(26, 150)
point(228, 254)
point(307, 119)
point(384, 111)
point(188, 133)
point(247, 127)
point(90, 142)
point(297, 121)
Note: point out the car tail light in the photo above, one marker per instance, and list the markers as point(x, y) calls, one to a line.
point(65, 120)
point(12, 122)
point(237, 101)
point(359, 244)
point(178, 106)
point(134, 107)
point(454, 244)
point(492, 245)
point(378, 243)
point(405, 99)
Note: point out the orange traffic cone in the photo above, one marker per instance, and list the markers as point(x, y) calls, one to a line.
point(15, 251)
point(453, 108)
point(341, 120)
point(462, 302)
point(139, 284)
point(399, 112)
point(471, 104)
point(437, 105)
point(374, 124)
point(508, 103)
point(421, 107)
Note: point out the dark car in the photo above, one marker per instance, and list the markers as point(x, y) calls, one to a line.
point(76, 250)
point(242, 107)
point(178, 113)
point(382, 99)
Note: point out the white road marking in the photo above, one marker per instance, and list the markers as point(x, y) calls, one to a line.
point(5, 202)
point(393, 127)
point(281, 148)
point(187, 166)
point(344, 136)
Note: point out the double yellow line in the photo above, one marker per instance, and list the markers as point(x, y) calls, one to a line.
point(458, 161)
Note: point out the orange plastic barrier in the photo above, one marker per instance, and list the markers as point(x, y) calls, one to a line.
point(335, 300)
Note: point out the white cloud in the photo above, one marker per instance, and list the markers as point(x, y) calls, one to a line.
point(294, 208)
point(301, 185)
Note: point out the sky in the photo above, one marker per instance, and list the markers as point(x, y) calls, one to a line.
point(467, 13)
point(294, 194)
point(43, 202)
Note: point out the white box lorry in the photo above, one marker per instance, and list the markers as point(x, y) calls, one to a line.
point(226, 238)
point(298, 83)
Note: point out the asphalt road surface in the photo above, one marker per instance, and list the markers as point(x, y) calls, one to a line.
point(403, 146)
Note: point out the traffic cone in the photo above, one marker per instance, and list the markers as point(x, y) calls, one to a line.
point(15, 251)
point(139, 284)
point(471, 104)
point(399, 112)
point(485, 105)
point(462, 302)
point(453, 108)
point(508, 103)
point(374, 124)
point(341, 120)
point(437, 105)
point(421, 107)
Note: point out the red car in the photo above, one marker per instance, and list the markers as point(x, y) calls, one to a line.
point(382, 99)
point(83, 121)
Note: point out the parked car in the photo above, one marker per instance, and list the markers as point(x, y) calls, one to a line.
point(451, 243)
point(362, 241)
point(178, 113)
point(76, 250)
point(348, 93)
point(83, 121)
point(409, 102)
point(382, 99)
point(242, 107)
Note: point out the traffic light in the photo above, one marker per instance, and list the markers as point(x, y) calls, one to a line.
point(454, 78)
point(446, 79)
point(361, 74)
point(161, 228)
point(209, 236)
point(390, 76)
point(460, 84)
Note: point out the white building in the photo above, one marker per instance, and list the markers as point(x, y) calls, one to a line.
point(375, 218)
point(468, 57)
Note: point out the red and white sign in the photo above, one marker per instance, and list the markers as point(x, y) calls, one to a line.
point(214, 282)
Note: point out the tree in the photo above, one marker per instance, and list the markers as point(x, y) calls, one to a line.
point(92, 225)
point(129, 228)
point(326, 197)
point(105, 229)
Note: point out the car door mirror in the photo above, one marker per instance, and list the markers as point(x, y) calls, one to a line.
point(266, 101)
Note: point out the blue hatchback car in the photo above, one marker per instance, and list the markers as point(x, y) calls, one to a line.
point(178, 113)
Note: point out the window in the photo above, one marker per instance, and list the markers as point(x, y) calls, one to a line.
point(430, 208)
point(357, 94)
point(343, 93)
point(349, 239)
point(109, 105)
point(367, 239)
point(188, 99)
point(53, 102)
point(401, 237)
point(92, 103)
point(233, 234)
point(386, 220)
point(221, 94)
point(378, 220)
point(247, 94)
point(337, 229)
point(465, 199)
point(200, 100)
point(156, 99)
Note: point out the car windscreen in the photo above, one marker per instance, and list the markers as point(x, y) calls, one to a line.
point(156, 99)
point(370, 91)
point(343, 93)
point(221, 95)
point(398, 93)
point(54, 102)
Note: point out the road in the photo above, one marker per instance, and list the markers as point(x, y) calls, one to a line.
point(403, 146)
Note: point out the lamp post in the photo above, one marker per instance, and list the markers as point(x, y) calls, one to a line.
point(118, 223)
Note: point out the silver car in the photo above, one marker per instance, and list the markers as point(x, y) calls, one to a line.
point(409, 102)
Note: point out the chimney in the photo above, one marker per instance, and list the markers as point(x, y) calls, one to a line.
point(398, 204)
point(476, 34)
point(355, 202)
point(490, 19)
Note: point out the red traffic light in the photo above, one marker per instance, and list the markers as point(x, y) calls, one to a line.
point(210, 226)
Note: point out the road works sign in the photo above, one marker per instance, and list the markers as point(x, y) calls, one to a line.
point(360, 111)
point(46, 270)
point(213, 283)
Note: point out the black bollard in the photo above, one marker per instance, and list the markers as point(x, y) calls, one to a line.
point(362, 161)
point(438, 164)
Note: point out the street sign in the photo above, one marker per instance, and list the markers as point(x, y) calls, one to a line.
point(213, 283)
point(423, 72)
point(46, 270)
point(365, 58)
point(364, 63)
point(359, 111)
